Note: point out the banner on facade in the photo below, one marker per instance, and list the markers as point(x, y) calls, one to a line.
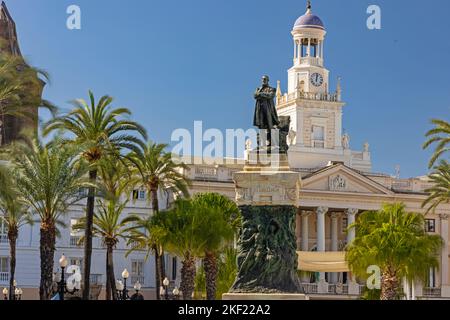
point(322, 261)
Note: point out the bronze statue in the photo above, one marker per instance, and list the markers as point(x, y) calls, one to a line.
point(266, 117)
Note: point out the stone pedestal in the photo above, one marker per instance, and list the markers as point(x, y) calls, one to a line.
point(267, 193)
point(261, 296)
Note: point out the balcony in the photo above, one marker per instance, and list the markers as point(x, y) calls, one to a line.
point(136, 278)
point(310, 61)
point(333, 289)
point(75, 242)
point(432, 292)
point(332, 97)
point(4, 277)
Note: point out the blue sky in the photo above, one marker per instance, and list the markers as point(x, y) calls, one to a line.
point(174, 62)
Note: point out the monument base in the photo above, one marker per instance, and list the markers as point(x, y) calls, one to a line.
point(263, 296)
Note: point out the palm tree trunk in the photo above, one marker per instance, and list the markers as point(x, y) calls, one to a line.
point(111, 292)
point(188, 277)
point(12, 236)
point(47, 251)
point(159, 261)
point(158, 281)
point(88, 236)
point(389, 284)
point(210, 265)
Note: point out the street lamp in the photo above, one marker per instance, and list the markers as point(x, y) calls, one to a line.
point(5, 293)
point(176, 293)
point(121, 287)
point(18, 294)
point(166, 283)
point(63, 286)
point(137, 295)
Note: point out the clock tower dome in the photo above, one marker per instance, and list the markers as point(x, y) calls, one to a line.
point(315, 112)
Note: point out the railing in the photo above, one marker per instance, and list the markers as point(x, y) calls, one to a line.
point(3, 238)
point(75, 242)
point(96, 279)
point(4, 277)
point(310, 288)
point(135, 279)
point(338, 289)
point(313, 61)
point(333, 97)
point(432, 292)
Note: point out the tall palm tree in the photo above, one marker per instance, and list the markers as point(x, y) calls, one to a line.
point(14, 215)
point(440, 134)
point(159, 171)
point(223, 226)
point(48, 179)
point(110, 227)
point(99, 130)
point(395, 241)
point(180, 230)
point(145, 235)
point(115, 181)
point(439, 193)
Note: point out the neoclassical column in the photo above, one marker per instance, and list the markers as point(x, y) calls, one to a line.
point(305, 230)
point(298, 229)
point(334, 241)
point(321, 212)
point(351, 218)
point(309, 48)
point(444, 254)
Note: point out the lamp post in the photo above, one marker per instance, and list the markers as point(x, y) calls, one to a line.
point(176, 293)
point(125, 276)
point(5, 293)
point(166, 283)
point(18, 294)
point(63, 286)
point(121, 287)
point(137, 295)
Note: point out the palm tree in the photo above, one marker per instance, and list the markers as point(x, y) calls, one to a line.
point(180, 231)
point(48, 179)
point(396, 242)
point(439, 193)
point(222, 229)
point(159, 171)
point(440, 135)
point(115, 181)
point(99, 131)
point(14, 216)
point(108, 226)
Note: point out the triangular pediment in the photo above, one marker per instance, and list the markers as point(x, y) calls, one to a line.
point(339, 178)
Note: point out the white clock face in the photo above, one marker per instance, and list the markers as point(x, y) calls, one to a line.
point(316, 79)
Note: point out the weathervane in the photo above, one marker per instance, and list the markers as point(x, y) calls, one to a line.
point(309, 5)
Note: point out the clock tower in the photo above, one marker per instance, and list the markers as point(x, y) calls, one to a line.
point(315, 111)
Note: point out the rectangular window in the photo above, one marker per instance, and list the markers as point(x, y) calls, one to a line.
point(174, 268)
point(4, 265)
point(76, 262)
point(318, 137)
point(3, 232)
point(138, 194)
point(344, 225)
point(83, 192)
point(137, 267)
point(430, 225)
point(137, 271)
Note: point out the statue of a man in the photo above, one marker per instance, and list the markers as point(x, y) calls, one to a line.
point(266, 117)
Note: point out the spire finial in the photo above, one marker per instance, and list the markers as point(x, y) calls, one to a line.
point(308, 5)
